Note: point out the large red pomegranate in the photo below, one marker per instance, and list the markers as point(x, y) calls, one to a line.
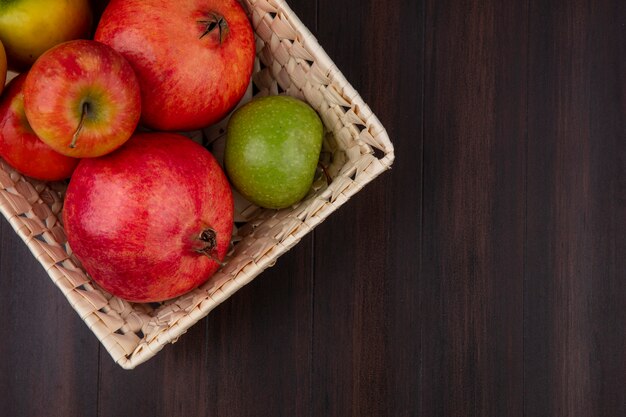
point(151, 220)
point(193, 58)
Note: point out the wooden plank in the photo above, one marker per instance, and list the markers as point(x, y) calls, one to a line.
point(171, 383)
point(366, 333)
point(575, 291)
point(48, 357)
point(259, 343)
point(474, 173)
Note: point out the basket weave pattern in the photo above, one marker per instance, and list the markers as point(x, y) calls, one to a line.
point(289, 61)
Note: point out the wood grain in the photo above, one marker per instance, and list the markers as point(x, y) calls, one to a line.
point(366, 338)
point(48, 357)
point(575, 291)
point(471, 292)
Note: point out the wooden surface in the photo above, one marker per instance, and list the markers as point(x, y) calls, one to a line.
point(484, 275)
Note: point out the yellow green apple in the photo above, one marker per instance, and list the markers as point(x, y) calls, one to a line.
point(28, 28)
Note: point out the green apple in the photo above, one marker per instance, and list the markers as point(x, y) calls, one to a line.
point(272, 150)
point(28, 28)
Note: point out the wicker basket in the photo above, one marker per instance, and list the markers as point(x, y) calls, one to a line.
point(356, 148)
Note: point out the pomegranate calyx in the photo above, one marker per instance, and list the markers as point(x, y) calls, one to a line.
point(215, 21)
point(207, 240)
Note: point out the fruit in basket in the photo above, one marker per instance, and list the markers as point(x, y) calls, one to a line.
point(19, 145)
point(82, 98)
point(151, 220)
point(28, 28)
point(272, 150)
point(193, 58)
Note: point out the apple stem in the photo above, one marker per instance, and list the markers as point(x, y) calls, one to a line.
point(85, 111)
point(208, 237)
point(215, 21)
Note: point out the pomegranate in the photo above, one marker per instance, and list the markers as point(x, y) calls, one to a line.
point(193, 58)
point(152, 220)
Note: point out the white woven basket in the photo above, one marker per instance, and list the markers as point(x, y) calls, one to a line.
point(356, 150)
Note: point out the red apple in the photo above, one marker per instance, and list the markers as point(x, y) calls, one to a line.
point(82, 98)
point(193, 58)
point(151, 220)
point(20, 147)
